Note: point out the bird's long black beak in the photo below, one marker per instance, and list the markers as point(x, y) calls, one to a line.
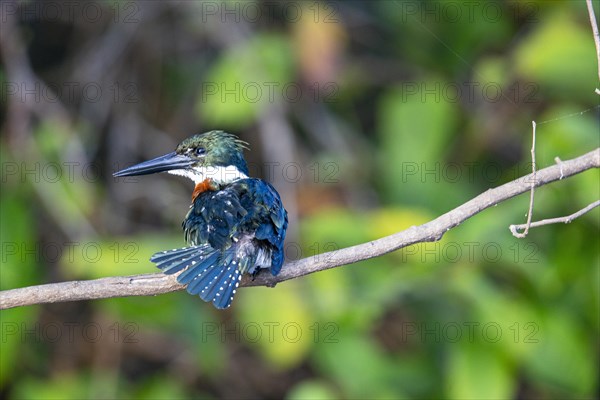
point(159, 164)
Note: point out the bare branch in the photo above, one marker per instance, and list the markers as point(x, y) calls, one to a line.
point(566, 220)
point(514, 229)
point(153, 284)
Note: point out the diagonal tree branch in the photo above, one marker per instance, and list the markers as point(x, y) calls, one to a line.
point(153, 284)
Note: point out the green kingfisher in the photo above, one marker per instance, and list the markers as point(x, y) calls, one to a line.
point(235, 225)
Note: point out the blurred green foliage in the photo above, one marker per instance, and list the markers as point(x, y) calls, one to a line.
point(479, 314)
point(238, 75)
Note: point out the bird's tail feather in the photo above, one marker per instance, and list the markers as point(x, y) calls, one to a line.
point(210, 273)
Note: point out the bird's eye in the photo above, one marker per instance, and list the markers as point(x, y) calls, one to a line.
point(200, 151)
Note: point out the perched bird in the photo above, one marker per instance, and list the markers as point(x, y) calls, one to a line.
point(235, 225)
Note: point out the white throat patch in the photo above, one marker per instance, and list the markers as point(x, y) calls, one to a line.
point(221, 175)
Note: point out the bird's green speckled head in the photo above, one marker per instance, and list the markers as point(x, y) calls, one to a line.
point(214, 155)
point(215, 149)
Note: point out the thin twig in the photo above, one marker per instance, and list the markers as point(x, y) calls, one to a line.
point(565, 220)
point(595, 33)
point(153, 284)
point(532, 189)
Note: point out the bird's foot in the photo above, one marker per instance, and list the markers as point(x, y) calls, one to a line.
point(255, 274)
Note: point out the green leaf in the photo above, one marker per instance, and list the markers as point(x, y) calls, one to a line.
point(62, 386)
point(115, 256)
point(559, 55)
point(569, 133)
point(331, 229)
point(244, 81)
point(475, 372)
point(562, 343)
point(360, 368)
point(415, 126)
point(160, 387)
point(21, 264)
point(312, 390)
point(277, 321)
